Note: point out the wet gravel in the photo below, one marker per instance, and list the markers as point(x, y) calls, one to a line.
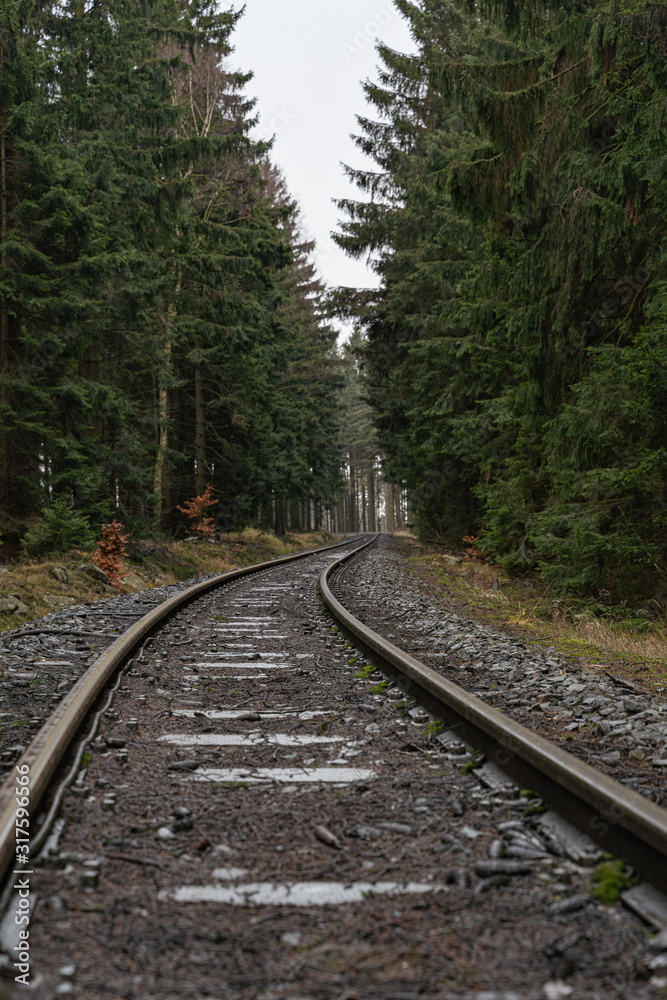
point(263, 817)
point(604, 721)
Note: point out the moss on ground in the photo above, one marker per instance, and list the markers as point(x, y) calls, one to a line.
point(609, 881)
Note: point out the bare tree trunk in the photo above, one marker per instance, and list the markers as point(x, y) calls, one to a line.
point(163, 413)
point(353, 499)
point(163, 444)
point(200, 427)
point(389, 507)
point(398, 509)
point(362, 487)
point(280, 516)
point(5, 470)
point(372, 524)
point(266, 514)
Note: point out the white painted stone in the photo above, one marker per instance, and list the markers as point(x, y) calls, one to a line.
point(296, 893)
point(283, 775)
point(249, 740)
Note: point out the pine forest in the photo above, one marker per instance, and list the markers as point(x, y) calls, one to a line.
point(164, 330)
point(516, 349)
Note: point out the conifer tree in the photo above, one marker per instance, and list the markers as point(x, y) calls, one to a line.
point(516, 220)
point(159, 324)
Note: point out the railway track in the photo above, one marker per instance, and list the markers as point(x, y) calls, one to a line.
point(257, 815)
point(616, 818)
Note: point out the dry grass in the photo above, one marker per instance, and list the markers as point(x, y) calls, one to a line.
point(593, 631)
point(150, 564)
point(635, 649)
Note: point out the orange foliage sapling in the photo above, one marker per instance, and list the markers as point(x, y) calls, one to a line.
point(195, 511)
point(472, 550)
point(110, 553)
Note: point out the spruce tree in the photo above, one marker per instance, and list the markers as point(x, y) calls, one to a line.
point(516, 220)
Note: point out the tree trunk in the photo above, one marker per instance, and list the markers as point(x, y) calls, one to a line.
point(398, 510)
point(362, 487)
point(280, 516)
point(163, 444)
point(389, 507)
point(5, 470)
point(371, 499)
point(163, 417)
point(295, 515)
point(354, 509)
point(200, 428)
point(266, 515)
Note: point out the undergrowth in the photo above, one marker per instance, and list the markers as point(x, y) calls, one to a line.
point(631, 642)
point(44, 585)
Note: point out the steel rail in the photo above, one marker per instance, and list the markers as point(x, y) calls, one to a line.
point(48, 747)
point(615, 817)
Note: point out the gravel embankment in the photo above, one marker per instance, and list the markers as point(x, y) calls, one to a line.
point(616, 728)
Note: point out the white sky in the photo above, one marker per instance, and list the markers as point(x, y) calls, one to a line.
point(310, 58)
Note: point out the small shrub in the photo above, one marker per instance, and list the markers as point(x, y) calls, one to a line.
point(195, 511)
point(110, 553)
point(472, 550)
point(60, 529)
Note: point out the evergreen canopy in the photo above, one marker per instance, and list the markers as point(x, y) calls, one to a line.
point(159, 318)
point(516, 349)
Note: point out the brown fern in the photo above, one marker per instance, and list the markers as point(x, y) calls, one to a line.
point(472, 551)
point(195, 511)
point(110, 553)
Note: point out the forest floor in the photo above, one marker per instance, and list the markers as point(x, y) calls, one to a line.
point(40, 587)
point(629, 643)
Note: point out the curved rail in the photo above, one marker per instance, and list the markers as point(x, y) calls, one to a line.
point(50, 744)
point(615, 817)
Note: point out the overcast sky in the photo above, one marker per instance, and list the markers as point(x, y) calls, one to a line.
point(310, 58)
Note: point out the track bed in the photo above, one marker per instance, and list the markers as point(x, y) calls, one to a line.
point(257, 821)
